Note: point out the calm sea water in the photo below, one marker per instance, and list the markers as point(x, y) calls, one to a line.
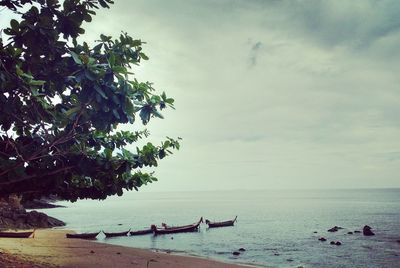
point(275, 227)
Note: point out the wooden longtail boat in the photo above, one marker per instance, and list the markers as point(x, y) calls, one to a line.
point(83, 235)
point(16, 234)
point(221, 223)
point(141, 232)
point(178, 229)
point(116, 234)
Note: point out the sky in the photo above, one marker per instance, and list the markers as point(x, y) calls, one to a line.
point(270, 94)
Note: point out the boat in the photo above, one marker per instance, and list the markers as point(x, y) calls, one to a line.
point(221, 223)
point(125, 233)
point(16, 234)
point(141, 232)
point(178, 229)
point(83, 235)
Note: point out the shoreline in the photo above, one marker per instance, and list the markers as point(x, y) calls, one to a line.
point(50, 248)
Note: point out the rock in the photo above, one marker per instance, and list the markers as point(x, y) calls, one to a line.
point(357, 232)
point(335, 229)
point(92, 251)
point(349, 232)
point(322, 239)
point(236, 253)
point(242, 249)
point(39, 204)
point(315, 232)
point(290, 260)
point(338, 243)
point(277, 254)
point(367, 231)
point(333, 243)
point(11, 218)
point(119, 253)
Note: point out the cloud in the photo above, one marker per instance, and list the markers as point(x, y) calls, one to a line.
point(254, 52)
point(288, 93)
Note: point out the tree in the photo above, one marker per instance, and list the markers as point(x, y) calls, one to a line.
point(61, 102)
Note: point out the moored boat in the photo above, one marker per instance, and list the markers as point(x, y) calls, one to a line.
point(125, 233)
point(10, 234)
point(221, 223)
point(83, 235)
point(141, 232)
point(178, 229)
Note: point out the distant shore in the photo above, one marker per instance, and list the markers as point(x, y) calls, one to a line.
point(50, 248)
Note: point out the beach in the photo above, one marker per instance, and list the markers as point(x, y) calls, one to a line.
point(50, 248)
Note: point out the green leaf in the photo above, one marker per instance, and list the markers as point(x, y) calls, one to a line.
point(72, 111)
point(143, 56)
point(75, 57)
point(100, 91)
point(111, 60)
point(108, 153)
point(116, 114)
point(14, 25)
point(37, 82)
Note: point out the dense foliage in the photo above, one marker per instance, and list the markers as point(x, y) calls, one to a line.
point(61, 103)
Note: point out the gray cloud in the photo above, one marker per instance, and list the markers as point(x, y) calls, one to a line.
point(319, 104)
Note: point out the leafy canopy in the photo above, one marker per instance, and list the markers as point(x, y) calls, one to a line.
point(61, 102)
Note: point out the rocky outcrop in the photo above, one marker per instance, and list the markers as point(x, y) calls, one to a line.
point(335, 229)
point(367, 231)
point(39, 204)
point(19, 218)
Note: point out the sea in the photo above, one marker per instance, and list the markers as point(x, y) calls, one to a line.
point(277, 228)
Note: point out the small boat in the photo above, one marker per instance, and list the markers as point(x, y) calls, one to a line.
point(221, 223)
point(16, 234)
point(141, 232)
point(178, 229)
point(116, 234)
point(83, 235)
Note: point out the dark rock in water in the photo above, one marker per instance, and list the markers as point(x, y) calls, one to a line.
point(39, 204)
point(236, 253)
point(367, 231)
point(315, 232)
point(11, 218)
point(357, 232)
point(242, 249)
point(289, 260)
point(119, 224)
point(323, 239)
point(349, 232)
point(277, 254)
point(338, 243)
point(333, 243)
point(335, 229)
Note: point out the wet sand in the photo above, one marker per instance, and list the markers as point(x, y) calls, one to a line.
point(50, 248)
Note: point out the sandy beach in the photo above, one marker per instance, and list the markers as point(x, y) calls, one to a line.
point(50, 248)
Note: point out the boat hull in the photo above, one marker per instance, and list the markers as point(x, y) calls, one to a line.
point(141, 232)
point(15, 234)
point(180, 229)
point(83, 236)
point(221, 224)
point(108, 235)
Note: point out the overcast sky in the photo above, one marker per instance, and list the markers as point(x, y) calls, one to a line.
point(270, 94)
